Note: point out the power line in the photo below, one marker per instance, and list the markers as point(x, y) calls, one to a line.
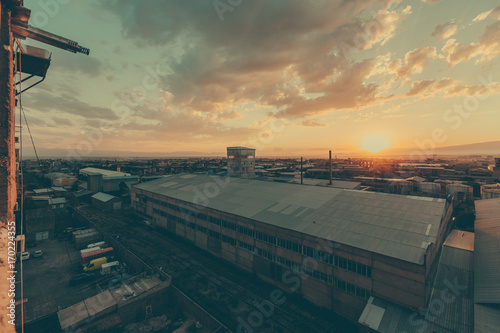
point(29, 131)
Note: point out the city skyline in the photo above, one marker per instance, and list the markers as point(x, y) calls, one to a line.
point(280, 76)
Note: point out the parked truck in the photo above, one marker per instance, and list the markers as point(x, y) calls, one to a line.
point(95, 264)
point(110, 267)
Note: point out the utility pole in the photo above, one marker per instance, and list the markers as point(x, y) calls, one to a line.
point(301, 177)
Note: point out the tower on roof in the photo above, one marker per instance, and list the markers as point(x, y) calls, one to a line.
point(241, 162)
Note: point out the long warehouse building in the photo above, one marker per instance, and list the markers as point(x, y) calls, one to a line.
point(335, 247)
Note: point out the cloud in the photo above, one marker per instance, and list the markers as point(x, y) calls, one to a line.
point(418, 87)
point(487, 47)
point(76, 64)
point(445, 31)
point(271, 53)
point(494, 13)
point(347, 91)
point(228, 115)
point(312, 123)
point(415, 62)
point(62, 121)
point(473, 90)
point(45, 101)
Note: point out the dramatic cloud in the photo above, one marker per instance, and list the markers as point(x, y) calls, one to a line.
point(415, 62)
point(487, 47)
point(242, 59)
point(66, 103)
point(192, 75)
point(445, 31)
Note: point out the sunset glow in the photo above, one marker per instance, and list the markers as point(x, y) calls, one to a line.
point(375, 143)
point(225, 78)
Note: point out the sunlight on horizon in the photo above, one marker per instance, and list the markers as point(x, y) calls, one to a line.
point(375, 143)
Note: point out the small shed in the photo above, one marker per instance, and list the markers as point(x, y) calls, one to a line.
point(106, 202)
point(39, 224)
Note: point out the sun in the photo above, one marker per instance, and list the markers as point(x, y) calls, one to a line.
point(375, 143)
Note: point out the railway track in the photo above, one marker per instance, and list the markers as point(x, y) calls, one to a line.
point(224, 290)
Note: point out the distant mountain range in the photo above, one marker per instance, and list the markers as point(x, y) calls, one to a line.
point(481, 148)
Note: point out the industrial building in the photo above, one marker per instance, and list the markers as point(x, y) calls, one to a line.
point(39, 224)
point(108, 181)
point(490, 191)
point(495, 169)
point(343, 246)
point(106, 202)
point(241, 162)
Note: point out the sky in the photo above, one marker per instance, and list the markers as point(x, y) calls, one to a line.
point(281, 76)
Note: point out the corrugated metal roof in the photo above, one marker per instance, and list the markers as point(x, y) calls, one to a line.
point(55, 201)
point(460, 239)
point(397, 226)
point(487, 252)
point(450, 307)
point(486, 318)
point(105, 173)
point(104, 197)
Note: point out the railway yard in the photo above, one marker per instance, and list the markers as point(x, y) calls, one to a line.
point(226, 292)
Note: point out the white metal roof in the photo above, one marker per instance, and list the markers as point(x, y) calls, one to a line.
point(394, 225)
point(104, 173)
point(104, 197)
point(55, 201)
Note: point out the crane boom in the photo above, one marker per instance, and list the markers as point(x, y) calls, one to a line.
point(28, 31)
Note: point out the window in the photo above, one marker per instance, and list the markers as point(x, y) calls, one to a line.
point(149, 309)
point(352, 266)
point(265, 254)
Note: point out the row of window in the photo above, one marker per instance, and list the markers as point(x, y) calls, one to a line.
point(246, 246)
point(215, 234)
point(229, 240)
point(288, 263)
point(191, 213)
point(326, 278)
point(289, 245)
point(318, 255)
point(350, 288)
point(353, 266)
point(265, 254)
point(337, 261)
point(265, 237)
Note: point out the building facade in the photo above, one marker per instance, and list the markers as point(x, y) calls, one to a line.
point(241, 162)
point(335, 247)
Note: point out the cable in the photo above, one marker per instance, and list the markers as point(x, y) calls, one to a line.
point(29, 131)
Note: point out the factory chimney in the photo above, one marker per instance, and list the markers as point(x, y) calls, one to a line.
point(330, 168)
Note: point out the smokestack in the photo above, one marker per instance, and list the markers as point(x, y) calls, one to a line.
point(301, 178)
point(330, 167)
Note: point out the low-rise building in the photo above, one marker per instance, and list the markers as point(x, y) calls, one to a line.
point(106, 201)
point(335, 247)
point(39, 224)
